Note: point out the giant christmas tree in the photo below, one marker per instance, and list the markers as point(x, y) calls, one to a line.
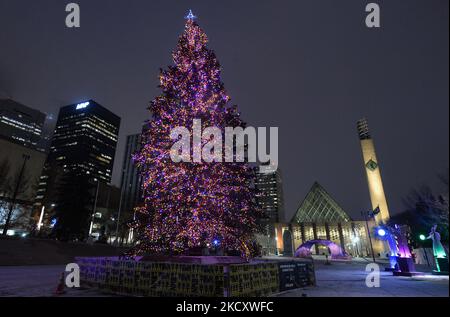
point(192, 205)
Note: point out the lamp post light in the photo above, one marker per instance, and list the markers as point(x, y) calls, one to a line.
point(422, 237)
point(41, 217)
point(116, 240)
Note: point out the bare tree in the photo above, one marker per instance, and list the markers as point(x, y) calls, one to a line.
point(434, 206)
point(16, 190)
point(425, 208)
point(443, 199)
point(5, 168)
point(443, 177)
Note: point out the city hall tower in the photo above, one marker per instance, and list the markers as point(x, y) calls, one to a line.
point(373, 174)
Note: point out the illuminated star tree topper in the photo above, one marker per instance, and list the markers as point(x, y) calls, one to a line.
point(190, 16)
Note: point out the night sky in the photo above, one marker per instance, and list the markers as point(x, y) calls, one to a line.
point(311, 68)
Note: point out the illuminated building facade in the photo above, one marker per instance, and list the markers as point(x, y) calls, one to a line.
point(21, 124)
point(270, 194)
point(84, 142)
point(104, 220)
point(269, 198)
point(85, 139)
point(319, 216)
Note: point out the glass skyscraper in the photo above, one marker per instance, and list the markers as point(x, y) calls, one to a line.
point(85, 139)
point(270, 194)
point(131, 180)
point(84, 142)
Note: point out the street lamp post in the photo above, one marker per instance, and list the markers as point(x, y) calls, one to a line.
point(16, 191)
point(116, 241)
point(368, 233)
point(423, 238)
point(95, 210)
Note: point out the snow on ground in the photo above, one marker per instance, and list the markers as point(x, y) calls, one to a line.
point(337, 279)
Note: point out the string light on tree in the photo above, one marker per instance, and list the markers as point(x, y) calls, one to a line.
point(191, 205)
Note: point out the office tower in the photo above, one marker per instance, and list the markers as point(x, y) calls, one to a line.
point(47, 133)
point(104, 219)
point(85, 139)
point(84, 142)
point(373, 174)
point(270, 194)
point(20, 124)
point(269, 197)
point(131, 180)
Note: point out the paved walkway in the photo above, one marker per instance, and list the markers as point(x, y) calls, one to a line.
point(32, 281)
point(337, 279)
point(348, 280)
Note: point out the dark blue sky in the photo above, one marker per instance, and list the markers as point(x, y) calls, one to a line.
point(311, 68)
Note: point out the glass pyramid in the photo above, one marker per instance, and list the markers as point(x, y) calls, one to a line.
point(319, 207)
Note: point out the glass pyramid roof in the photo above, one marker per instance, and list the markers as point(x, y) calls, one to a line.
point(318, 206)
